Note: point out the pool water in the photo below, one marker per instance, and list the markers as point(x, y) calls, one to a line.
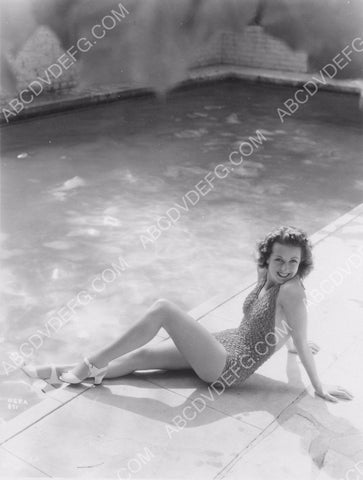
point(80, 188)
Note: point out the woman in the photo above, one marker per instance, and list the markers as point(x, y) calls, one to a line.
point(274, 314)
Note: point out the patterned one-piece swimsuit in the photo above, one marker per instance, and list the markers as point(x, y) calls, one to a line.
point(253, 342)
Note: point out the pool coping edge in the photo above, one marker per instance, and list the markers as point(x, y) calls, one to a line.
point(99, 95)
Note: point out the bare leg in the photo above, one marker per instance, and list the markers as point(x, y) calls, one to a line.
point(200, 350)
point(117, 368)
point(163, 355)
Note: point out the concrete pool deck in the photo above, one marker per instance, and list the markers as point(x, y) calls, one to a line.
point(85, 97)
point(158, 424)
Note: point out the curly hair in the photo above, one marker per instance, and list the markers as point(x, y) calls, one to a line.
point(287, 235)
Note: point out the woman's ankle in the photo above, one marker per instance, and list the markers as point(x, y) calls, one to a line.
point(97, 362)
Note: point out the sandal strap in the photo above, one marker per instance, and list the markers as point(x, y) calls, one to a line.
point(87, 362)
point(92, 368)
point(53, 378)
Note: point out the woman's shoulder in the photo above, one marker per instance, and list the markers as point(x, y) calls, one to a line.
point(292, 290)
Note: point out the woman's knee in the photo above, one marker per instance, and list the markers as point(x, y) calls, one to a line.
point(162, 305)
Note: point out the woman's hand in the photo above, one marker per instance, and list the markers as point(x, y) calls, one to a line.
point(333, 392)
point(314, 348)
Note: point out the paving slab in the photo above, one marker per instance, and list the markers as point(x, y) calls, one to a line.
point(12, 466)
point(104, 429)
point(257, 402)
point(294, 450)
point(52, 401)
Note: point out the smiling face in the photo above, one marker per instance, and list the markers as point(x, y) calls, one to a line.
point(283, 263)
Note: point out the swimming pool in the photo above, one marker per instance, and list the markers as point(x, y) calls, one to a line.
point(80, 188)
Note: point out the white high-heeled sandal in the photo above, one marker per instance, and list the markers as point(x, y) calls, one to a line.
point(32, 372)
point(93, 372)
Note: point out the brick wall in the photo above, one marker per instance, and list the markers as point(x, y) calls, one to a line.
point(254, 49)
point(38, 54)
